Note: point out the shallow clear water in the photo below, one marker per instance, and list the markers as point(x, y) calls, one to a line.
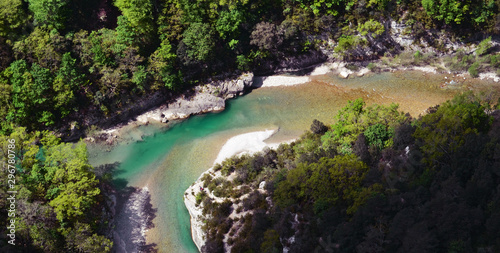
point(169, 160)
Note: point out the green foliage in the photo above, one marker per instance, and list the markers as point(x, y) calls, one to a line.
point(68, 169)
point(329, 7)
point(43, 47)
point(58, 194)
point(139, 13)
point(170, 21)
point(5, 104)
point(162, 65)
point(12, 17)
point(347, 43)
point(271, 243)
point(417, 56)
point(66, 82)
point(354, 119)
point(82, 239)
point(473, 69)
point(200, 196)
point(372, 28)
point(101, 49)
point(336, 196)
point(31, 93)
point(483, 46)
point(228, 23)
point(380, 4)
point(199, 40)
point(243, 62)
point(457, 12)
point(49, 13)
point(332, 181)
point(378, 134)
point(125, 34)
point(444, 131)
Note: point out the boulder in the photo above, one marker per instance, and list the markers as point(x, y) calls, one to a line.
point(344, 74)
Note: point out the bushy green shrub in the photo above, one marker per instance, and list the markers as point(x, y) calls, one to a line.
point(346, 43)
point(206, 179)
point(372, 28)
point(474, 70)
point(483, 46)
point(377, 135)
point(371, 66)
point(200, 196)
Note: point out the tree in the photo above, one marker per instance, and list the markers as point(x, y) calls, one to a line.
point(125, 34)
point(326, 182)
point(330, 7)
point(162, 65)
point(139, 13)
point(335, 180)
point(318, 127)
point(49, 13)
point(228, 25)
point(82, 239)
point(354, 119)
point(5, 104)
point(271, 243)
point(445, 130)
point(372, 28)
point(199, 41)
point(66, 82)
point(31, 94)
point(483, 46)
point(377, 135)
point(68, 171)
point(266, 36)
point(169, 21)
point(457, 12)
point(43, 47)
point(12, 16)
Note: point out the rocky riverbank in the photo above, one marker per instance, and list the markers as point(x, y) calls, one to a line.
point(241, 144)
point(211, 96)
point(205, 98)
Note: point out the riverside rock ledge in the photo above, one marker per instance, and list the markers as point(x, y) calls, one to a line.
point(204, 98)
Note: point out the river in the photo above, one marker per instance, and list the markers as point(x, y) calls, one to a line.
point(168, 159)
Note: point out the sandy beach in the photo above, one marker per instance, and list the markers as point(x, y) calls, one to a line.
point(245, 143)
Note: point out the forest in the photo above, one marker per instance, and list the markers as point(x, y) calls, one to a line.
point(68, 65)
point(59, 202)
point(376, 180)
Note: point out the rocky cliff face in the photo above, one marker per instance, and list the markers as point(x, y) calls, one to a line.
point(196, 211)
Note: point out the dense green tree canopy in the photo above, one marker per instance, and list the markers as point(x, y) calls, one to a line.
point(12, 16)
point(456, 12)
point(57, 194)
point(435, 189)
point(49, 13)
point(139, 13)
point(199, 40)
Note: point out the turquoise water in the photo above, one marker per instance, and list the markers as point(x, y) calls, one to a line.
point(168, 160)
